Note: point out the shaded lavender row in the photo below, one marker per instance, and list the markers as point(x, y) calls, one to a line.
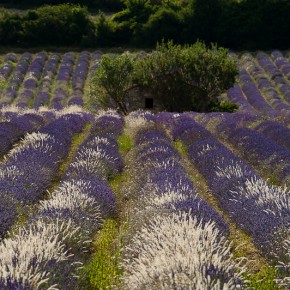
point(263, 83)
point(7, 66)
point(79, 77)
point(59, 98)
point(34, 71)
point(272, 70)
point(252, 93)
point(276, 131)
point(258, 208)
point(72, 214)
point(16, 79)
point(248, 89)
point(281, 62)
point(30, 83)
point(155, 148)
point(50, 69)
point(235, 95)
point(284, 67)
point(12, 130)
point(259, 150)
point(31, 166)
point(171, 218)
point(275, 76)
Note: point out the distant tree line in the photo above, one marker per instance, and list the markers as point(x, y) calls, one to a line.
point(106, 5)
point(236, 24)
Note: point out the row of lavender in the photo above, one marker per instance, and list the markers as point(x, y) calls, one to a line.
point(263, 143)
point(177, 241)
point(261, 209)
point(12, 128)
point(29, 168)
point(49, 250)
point(264, 83)
point(46, 79)
point(56, 80)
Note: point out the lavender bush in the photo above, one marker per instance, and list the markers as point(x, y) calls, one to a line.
point(260, 209)
point(182, 223)
point(30, 167)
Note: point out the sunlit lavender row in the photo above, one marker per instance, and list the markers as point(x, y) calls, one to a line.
point(258, 207)
point(30, 167)
point(48, 251)
point(177, 240)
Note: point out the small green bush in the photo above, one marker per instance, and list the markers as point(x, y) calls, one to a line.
point(223, 106)
point(113, 81)
point(188, 77)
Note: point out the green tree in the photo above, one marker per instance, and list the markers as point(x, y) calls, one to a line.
point(113, 81)
point(186, 77)
point(182, 78)
point(163, 24)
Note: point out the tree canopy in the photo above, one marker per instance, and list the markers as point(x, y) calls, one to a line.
point(181, 78)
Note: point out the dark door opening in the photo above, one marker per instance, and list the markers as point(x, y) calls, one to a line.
point(148, 103)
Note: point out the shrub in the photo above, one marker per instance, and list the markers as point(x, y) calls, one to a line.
point(113, 81)
point(186, 78)
point(182, 78)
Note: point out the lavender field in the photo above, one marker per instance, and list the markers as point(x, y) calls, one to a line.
point(90, 199)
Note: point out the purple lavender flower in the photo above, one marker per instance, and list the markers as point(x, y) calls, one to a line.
point(276, 131)
point(240, 191)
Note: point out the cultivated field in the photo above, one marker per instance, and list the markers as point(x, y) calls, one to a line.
point(146, 201)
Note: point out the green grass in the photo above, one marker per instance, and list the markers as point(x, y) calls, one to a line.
point(116, 182)
point(104, 270)
point(125, 143)
point(180, 147)
point(263, 280)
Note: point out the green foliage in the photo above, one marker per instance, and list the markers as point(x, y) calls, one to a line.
point(223, 106)
point(237, 24)
point(62, 24)
point(125, 143)
point(165, 24)
point(161, 75)
point(105, 30)
point(186, 78)
point(112, 81)
point(182, 78)
point(48, 25)
point(109, 5)
point(3, 84)
point(264, 279)
point(104, 270)
point(10, 27)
